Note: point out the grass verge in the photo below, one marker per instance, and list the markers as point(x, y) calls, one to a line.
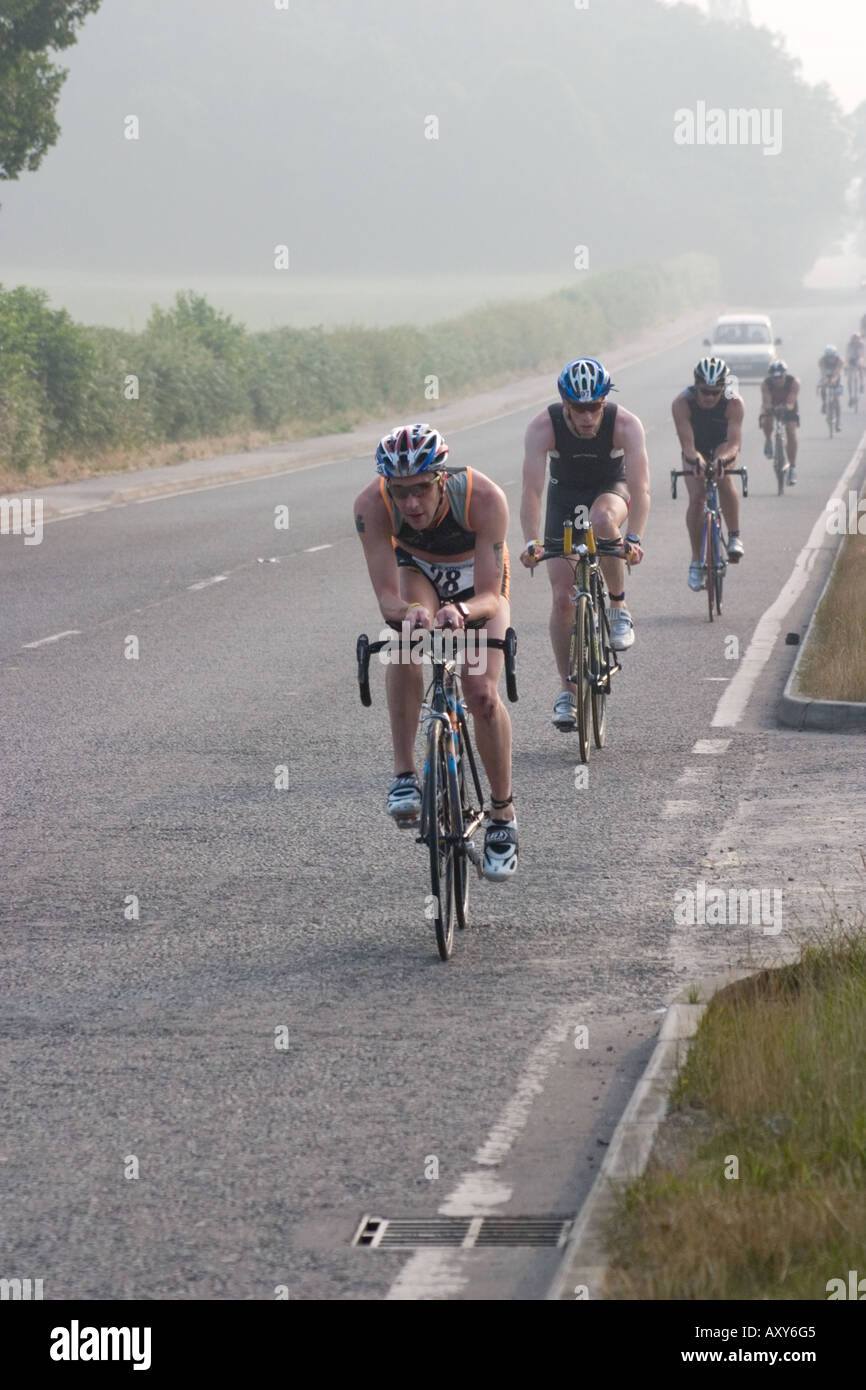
point(755, 1188)
point(834, 663)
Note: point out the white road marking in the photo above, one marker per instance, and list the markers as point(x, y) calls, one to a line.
point(310, 549)
point(695, 776)
point(439, 1274)
point(71, 632)
point(206, 583)
point(711, 745)
point(715, 678)
point(732, 705)
point(680, 808)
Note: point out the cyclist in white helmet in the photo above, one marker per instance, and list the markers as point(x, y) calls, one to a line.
point(598, 468)
point(780, 389)
point(709, 422)
point(434, 542)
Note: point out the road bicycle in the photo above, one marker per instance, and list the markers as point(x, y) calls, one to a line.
point(452, 802)
point(831, 406)
point(781, 466)
point(714, 545)
point(855, 384)
point(592, 661)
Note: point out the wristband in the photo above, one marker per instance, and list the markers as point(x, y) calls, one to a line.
point(631, 536)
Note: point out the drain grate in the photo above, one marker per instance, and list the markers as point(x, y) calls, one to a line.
point(460, 1232)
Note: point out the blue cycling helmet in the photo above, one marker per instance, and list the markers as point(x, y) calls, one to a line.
point(583, 380)
point(411, 449)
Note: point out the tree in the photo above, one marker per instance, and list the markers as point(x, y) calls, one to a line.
point(30, 82)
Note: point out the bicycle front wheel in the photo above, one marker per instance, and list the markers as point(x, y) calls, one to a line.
point(717, 572)
point(580, 669)
point(460, 859)
point(602, 665)
point(707, 553)
point(780, 463)
point(437, 804)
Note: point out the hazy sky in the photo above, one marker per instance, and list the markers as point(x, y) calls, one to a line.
point(814, 34)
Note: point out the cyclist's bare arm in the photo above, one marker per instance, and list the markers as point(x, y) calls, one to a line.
point(793, 395)
point(489, 521)
point(373, 525)
point(766, 399)
point(682, 420)
point(539, 440)
point(629, 435)
point(730, 447)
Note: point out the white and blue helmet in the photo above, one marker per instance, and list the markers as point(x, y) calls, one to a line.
point(411, 449)
point(584, 380)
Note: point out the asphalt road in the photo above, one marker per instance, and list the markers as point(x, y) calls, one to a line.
point(202, 1101)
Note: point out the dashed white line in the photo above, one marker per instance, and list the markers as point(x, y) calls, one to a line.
point(311, 548)
point(680, 808)
point(206, 583)
point(439, 1274)
point(711, 746)
point(55, 637)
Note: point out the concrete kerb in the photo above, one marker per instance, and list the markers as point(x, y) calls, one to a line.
point(583, 1269)
point(105, 490)
point(802, 711)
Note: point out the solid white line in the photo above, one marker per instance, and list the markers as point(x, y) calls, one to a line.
point(205, 583)
point(732, 705)
point(71, 632)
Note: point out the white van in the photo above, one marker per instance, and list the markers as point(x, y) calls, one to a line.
point(746, 343)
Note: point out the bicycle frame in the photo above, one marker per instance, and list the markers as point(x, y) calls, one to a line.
point(712, 524)
point(447, 705)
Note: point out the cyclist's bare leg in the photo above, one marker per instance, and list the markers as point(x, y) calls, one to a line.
point(607, 514)
point(767, 426)
point(489, 716)
point(404, 684)
point(697, 490)
point(791, 441)
point(561, 576)
point(729, 502)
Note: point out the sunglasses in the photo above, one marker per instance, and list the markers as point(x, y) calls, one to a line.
point(585, 408)
point(413, 490)
point(709, 390)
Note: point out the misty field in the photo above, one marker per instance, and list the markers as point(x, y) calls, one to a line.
point(285, 298)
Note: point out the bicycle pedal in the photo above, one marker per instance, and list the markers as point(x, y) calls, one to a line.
point(407, 821)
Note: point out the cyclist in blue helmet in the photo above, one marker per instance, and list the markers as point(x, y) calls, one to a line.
point(599, 472)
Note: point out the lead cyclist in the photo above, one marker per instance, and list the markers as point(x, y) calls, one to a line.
point(431, 564)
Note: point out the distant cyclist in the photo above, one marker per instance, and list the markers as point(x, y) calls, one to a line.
point(432, 564)
point(780, 390)
point(598, 470)
point(854, 354)
point(830, 383)
point(709, 422)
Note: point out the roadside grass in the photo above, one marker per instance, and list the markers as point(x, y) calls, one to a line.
point(776, 1080)
point(834, 663)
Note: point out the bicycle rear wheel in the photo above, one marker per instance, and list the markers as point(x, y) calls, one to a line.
point(601, 671)
point(579, 670)
point(437, 815)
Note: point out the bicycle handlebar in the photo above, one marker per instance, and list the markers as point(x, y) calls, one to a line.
point(742, 473)
point(364, 649)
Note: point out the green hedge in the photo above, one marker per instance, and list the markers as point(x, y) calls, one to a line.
point(64, 387)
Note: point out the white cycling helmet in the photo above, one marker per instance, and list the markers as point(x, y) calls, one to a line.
point(711, 371)
point(411, 449)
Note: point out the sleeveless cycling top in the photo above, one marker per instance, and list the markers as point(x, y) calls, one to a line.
point(779, 388)
point(710, 427)
point(452, 535)
point(589, 465)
